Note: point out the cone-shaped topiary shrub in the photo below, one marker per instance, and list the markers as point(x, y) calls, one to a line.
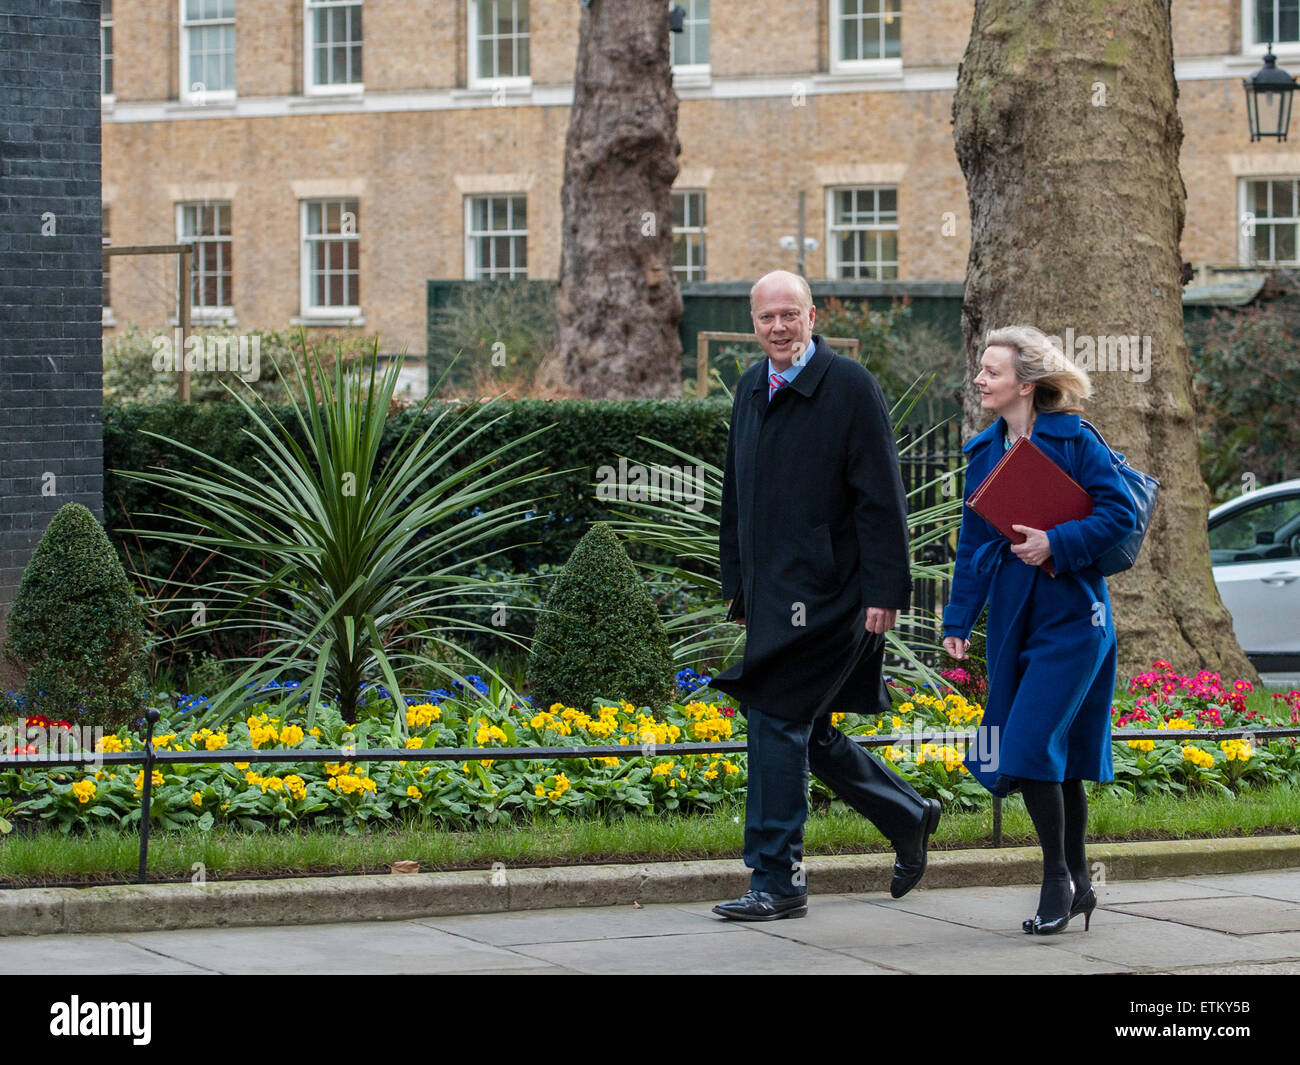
point(77, 627)
point(599, 635)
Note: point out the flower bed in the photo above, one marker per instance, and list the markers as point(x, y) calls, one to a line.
point(353, 794)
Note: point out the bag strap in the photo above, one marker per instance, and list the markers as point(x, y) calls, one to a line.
point(1115, 457)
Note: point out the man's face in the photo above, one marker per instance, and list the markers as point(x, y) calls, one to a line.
point(783, 322)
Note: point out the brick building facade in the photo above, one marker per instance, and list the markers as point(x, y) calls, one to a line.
point(51, 449)
point(332, 155)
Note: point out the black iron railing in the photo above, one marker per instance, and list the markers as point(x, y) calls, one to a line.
point(148, 757)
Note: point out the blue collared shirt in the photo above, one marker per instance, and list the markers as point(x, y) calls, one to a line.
point(791, 371)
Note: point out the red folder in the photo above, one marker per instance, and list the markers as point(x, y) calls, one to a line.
point(1028, 488)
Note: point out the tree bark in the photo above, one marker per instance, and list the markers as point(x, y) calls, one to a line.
point(1067, 130)
point(618, 304)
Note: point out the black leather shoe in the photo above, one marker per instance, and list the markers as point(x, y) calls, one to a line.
point(763, 906)
point(909, 865)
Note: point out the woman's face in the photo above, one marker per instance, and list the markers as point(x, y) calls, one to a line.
point(997, 382)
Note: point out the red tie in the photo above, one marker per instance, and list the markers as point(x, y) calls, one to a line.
point(775, 383)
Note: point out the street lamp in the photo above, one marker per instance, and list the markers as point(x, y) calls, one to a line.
point(1274, 87)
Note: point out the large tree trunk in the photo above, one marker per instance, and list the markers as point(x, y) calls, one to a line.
point(618, 304)
point(1068, 133)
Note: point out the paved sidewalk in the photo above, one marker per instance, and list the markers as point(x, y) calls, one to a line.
point(1232, 924)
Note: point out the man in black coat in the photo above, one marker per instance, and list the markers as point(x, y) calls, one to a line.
point(814, 556)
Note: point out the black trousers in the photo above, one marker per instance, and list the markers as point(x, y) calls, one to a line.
point(781, 753)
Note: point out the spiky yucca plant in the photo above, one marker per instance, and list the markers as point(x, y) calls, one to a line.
point(362, 579)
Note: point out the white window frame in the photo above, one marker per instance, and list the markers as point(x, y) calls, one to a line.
point(1246, 243)
point(701, 269)
point(188, 94)
point(1249, 47)
point(309, 85)
point(225, 312)
point(477, 80)
point(471, 235)
point(833, 262)
point(108, 58)
point(859, 66)
point(105, 241)
point(692, 70)
point(350, 313)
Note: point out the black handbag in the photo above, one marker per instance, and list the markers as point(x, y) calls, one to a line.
point(1142, 488)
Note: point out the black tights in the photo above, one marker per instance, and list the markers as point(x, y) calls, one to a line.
point(1060, 816)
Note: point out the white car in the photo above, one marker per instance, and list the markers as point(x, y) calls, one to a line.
point(1255, 552)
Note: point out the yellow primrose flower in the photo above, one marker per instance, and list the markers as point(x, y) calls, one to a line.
point(156, 778)
point(297, 787)
point(414, 792)
point(290, 735)
point(1142, 745)
point(84, 790)
point(197, 798)
point(422, 715)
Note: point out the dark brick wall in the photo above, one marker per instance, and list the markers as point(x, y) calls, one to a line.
point(51, 443)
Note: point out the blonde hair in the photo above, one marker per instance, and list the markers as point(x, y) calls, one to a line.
point(1059, 385)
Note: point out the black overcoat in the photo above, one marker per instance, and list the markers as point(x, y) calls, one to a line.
point(813, 531)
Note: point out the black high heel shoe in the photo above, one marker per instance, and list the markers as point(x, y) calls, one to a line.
point(1050, 926)
point(1081, 904)
point(1084, 904)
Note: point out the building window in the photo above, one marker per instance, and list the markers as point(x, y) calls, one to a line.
point(106, 50)
point(498, 42)
point(207, 49)
point(865, 32)
point(107, 301)
point(688, 235)
point(331, 247)
point(691, 46)
point(1270, 236)
point(862, 233)
point(207, 227)
point(1277, 21)
point(333, 46)
point(496, 238)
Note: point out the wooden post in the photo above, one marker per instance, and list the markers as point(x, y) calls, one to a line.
point(185, 273)
point(186, 280)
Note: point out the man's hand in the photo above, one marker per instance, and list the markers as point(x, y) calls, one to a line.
point(956, 646)
point(735, 621)
point(880, 620)
point(1035, 550)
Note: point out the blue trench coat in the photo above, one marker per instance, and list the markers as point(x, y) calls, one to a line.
point(1051, 640)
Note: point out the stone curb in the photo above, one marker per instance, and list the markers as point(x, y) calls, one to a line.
point(326, 900)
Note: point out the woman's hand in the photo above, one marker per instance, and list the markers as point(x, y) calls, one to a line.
point(956, 646)
point(1035, 550)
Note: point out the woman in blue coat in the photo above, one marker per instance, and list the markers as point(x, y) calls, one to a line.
point(1051, 640)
